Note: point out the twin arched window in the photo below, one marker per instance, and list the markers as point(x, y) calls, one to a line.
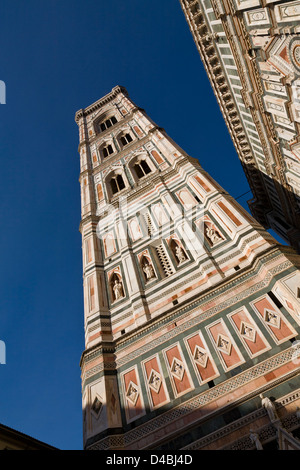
point(107, 150)
point(117, 183)
point(125, 139)
point(142, 168)
point(107, 123)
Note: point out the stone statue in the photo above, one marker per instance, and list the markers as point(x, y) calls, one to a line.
point(132, 394)
point(155, 381)
point(118, 289)
point(149, 271)
point(270, 407)
point(212, 235)
point(248, 331)
point(255, 439)
point(180, 254)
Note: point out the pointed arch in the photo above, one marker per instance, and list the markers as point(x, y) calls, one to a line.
point(140, 166)
point(125, 137)
point(178, 251)
point(116, 182)
point(116, 286)
point(107, 148)
point(147, 267)
point(105, 121)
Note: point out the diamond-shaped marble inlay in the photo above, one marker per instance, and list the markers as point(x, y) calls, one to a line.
point(248, 331)
point(200, 356)
point(224, 344)
point(132, 393)
point(272, 318)
point(177, 368)
point(97, 406)
point(154, 381)
point(113, 402)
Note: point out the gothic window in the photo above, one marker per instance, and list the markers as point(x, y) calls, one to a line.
point(159, 214)
point(108, 150)
point(135, 229)
point(107, 123)
point(117, 184)
point(116, 181)
point(125, 139)
point(142, 168)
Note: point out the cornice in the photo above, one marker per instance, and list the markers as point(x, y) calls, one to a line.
point(140, 189)
point(209, 396)
point(132, 147)
point(98, 136)
point(246, 60)
point(88, 220)
point(169, 316)
point(96, 350)
point(98, 104)
point(242, 422)
point(194, 304)
point(204, 40)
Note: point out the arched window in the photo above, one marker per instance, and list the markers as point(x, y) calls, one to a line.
point(107, 123)
point(107, 150)
point(125, 139)
point(142, 168)
point(117, 183)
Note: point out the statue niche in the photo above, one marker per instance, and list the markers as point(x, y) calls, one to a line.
point(147, 269)
point(212, 235)
point(178, 252)
point(116, 286)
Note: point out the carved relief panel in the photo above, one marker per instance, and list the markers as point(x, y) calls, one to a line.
point(225, 346)
point(132, 394)
point(251, 336)
point(178, 370)
point(201, 358)
point(155, 383)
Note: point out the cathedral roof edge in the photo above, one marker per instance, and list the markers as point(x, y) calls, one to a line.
point(101, 102)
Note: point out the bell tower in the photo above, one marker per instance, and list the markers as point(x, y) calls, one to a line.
point(191, 309)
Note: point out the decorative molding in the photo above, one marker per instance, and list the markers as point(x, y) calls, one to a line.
point(209, 396)
point(240, 423)
point(203, 315)
point(100, 103)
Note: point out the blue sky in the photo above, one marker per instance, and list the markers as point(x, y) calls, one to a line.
point(58, 56)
